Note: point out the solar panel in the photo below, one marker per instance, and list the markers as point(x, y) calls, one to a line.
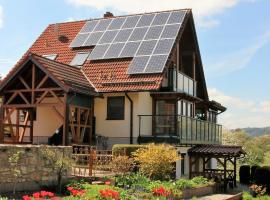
point(116, 23)
point(138, 34)
point(156, 64)
point(103, 25)
point(154, 32)
point(98, 52)
point(138, 64)
point(114, 50)
point(164, 46)
point(89, 26)
point(146, 20)
point(108, 37)
point(171, 31)
point(161, 19)
point(123, 35)
point(131, 21)
point(79, 59)
point(79, 40)
point(148, 38)
point(146, 48)
point(176, 17)
point(93, 39)
point(130, 49)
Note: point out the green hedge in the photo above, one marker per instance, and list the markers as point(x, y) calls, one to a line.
point(119, 149)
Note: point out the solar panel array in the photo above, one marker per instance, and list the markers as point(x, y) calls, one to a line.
point(147, 38)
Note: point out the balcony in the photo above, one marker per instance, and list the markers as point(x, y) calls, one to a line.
point(177, 129)
point(179, 82)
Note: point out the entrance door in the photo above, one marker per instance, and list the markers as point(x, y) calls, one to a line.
point(164, 121)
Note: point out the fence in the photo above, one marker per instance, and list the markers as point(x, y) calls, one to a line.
point(90, 162)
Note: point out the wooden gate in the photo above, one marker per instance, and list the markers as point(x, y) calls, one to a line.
point(90, 162)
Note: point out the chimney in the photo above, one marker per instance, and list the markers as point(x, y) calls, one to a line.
point(108, 15)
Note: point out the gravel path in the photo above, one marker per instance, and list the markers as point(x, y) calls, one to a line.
point(216, 197)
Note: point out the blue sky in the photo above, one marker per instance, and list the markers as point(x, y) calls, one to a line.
point(234, 38)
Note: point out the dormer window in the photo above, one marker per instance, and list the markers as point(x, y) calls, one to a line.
point(50, 56)
point(79, 59)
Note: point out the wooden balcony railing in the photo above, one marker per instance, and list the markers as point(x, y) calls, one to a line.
point(185, 130)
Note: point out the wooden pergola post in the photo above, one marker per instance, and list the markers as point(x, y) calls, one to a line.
point(225, 174)
point(234, 174)
point(65, 121)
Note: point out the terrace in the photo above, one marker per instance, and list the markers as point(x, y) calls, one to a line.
point(178, 129)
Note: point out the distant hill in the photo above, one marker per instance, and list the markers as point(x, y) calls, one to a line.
point(256, 131)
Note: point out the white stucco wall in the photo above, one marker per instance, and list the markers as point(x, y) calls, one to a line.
point(120, 129)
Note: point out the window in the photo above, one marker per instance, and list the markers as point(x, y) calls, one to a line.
point(116, 108)
point(79, 59)
point(50, 56)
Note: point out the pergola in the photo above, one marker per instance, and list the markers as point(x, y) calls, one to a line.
point(224, 154)
point(39, 82)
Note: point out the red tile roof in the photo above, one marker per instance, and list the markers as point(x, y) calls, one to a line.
point(105, 76)
point(70, 76)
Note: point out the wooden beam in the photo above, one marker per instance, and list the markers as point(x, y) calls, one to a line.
point(21, 134)
point(24, 98)
point(33, 84)
point(12, 97)
point(42, 81)
point(42, 97)
point(24, 83)
point(35, 90)
point(55, 96)
point(17, 125)
point(9, 113)
point(32, 125)
point(190, 167)
point(66, 121)
point(85, 124)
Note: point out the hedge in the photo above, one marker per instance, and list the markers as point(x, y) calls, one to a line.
point(262, 176)
point(252, 174)
point(119, 149)
point(244, 174)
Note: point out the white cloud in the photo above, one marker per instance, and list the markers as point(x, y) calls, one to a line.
point(241, 112)
point(203, 10)
point(240, 59)
point(1, 16)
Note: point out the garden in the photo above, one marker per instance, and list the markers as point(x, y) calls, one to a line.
point(141, 172)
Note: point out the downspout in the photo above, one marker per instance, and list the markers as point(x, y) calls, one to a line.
point(131, 118)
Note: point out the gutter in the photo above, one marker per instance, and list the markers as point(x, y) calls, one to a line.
point(131, 118)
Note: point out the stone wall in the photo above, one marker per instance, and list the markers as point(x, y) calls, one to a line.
point(35, 169)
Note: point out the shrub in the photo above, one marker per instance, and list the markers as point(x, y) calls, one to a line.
point(183, 184)
point(262, 176)
point(132, 181)
point(244, 174)
point(122, 164)
point(125, 149)
point(252, 172)
point(156, 161)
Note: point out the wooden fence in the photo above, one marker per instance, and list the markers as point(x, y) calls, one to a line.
point(91, 162)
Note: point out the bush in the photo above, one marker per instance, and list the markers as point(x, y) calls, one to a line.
point(122, 164)
point(125, 149)
point(252, 173)
point(156, 161)
point(262, 176)
point(244, 174)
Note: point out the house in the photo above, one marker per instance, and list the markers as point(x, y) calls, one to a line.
point(127, 79)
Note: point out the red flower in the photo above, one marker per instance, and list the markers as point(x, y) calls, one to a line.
point(26, 197)
point(36, 195)
point(161, 191)
point(108, 194)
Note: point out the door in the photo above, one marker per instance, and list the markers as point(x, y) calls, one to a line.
point(164, 120)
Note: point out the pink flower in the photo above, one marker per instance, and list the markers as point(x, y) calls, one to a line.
point(107, 183)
